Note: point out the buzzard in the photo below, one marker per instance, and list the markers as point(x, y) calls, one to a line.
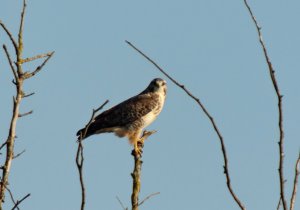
point(130, 117)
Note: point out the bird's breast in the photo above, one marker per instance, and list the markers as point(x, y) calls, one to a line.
point(151, 116)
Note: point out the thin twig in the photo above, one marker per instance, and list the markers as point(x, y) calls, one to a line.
point(25, 114)
point(27, 95)
point(10, 63)
point(10, 36)
point(11, 196)
point(28, 75)
point(80, 156)
point(280, 113)
point(279, 204)
point(79, 163)
point(20, 36)
point(216, 129)
point(2, 145)
point(19, 154)
point(20, 201)
point(148, 197)
point(297, 172)
point(120, 202)
point(37, 57)
point(136, 174)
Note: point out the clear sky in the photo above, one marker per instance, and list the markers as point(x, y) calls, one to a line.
point(210, 46)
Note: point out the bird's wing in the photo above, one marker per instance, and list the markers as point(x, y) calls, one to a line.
point(125, 112)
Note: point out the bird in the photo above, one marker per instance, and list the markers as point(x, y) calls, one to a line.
point(130, 117)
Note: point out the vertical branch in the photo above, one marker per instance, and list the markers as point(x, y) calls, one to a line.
point(16, 106)
point(79, 163)
point(136, 177)
point(136, 174)
point(80, 156)
point(297, 172)
point(280, 113)
point(20, 38)
point(19, 78)
point(211, 119)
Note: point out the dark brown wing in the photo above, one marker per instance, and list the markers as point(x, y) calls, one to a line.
point(124, 113)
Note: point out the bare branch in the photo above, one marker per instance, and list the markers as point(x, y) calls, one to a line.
point(297, 172)
point(10, 63)
point(79, 163)
point(136, 174)
point(80, 156)
point(148, 197)
point(216, 129)
point(20, 35)
point(37, 57)
point(10, 36)
point(2, 145)
point(27, 95)
point(280, 113)
point(120, 202)
point(20, 201)
point(11, 196)
point(10, 142)
point(19, 154)
point(39, 68)
point(25, 114)
point(279, 204)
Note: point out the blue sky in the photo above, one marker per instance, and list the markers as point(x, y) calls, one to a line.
point(210, 46)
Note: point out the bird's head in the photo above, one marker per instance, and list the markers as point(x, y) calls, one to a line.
point(158, 85)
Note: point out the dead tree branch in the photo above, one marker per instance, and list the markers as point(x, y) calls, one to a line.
point(294, 193)
point(136, 174)
point(279, 204)
point(10, 36)
point(280, 112)
point(148, 197)
point(10, 62)
point(27, 95)
point(120, 202)
point(25, 114)
point(11, 197)
point(19, 154)
point(37, 57)
point(39, 68)
point(80, 156)
point(20, 201)
point(211, 119)
point(19, 78)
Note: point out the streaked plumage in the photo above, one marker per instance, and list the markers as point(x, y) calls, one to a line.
point(130, 117)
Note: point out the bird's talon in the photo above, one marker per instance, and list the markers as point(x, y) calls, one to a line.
point(137, 152)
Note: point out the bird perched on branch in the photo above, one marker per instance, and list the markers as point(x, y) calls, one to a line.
point(130, 117)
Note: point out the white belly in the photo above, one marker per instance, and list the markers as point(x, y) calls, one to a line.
point(149, 118)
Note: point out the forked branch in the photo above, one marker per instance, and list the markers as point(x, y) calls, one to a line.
point(20, 201)
point(216, 129)
point(80, 156)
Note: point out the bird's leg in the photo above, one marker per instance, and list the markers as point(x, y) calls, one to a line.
point(139, 142)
